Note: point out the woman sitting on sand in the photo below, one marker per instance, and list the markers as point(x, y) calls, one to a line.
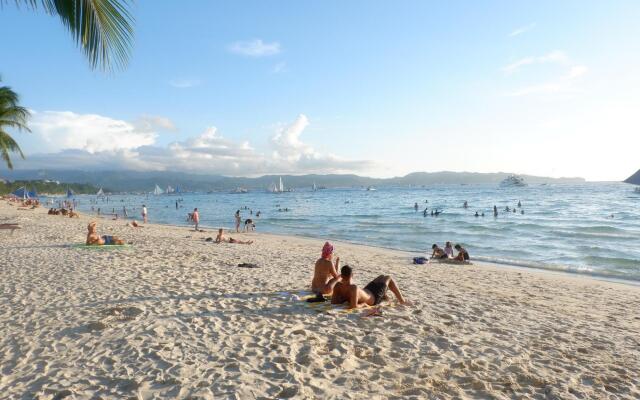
point(93, 239)
point(220, 238)
point(438, 252)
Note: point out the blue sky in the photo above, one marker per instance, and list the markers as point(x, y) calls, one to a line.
point(369, 87)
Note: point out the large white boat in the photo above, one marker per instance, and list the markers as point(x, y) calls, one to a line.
point(513, 181)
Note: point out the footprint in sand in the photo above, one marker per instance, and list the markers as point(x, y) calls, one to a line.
point(121, 313)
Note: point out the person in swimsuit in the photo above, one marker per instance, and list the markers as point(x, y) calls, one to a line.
point(463, 255)
point(325, 273)
point(448, 250)
point(373, 294)
point(93, 239)
point(220, 238)
point(238, 221)
point(438, 252)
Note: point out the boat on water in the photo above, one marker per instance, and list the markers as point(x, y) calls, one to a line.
point(279, 188)
point(239, 190)
point(157, 191)
point(513, 181)
point(100, 193)
point(371, 189)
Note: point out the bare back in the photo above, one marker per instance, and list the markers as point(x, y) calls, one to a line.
point(323, 272)
point(346, 292)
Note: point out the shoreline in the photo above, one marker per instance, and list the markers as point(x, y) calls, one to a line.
point(407, 253)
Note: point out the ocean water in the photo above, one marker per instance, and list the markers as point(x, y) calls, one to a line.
point(565, 227)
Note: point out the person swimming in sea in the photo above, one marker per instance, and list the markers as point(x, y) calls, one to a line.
point(415, 206)
point(477, 215)
point(465, 205)
point(519, 204)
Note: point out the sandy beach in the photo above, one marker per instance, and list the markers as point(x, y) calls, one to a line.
point(172, 316)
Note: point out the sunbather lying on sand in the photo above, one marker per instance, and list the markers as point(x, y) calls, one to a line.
point(325, 274)
point(220, 238)
point(94, 239)
point(134, 224)
point(371, 295)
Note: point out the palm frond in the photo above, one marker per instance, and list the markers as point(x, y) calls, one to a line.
point(103, 28)
point(8, 144)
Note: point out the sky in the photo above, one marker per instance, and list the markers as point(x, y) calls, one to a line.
point(375, 88)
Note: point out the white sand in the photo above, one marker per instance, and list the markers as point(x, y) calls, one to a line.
point(173, 317)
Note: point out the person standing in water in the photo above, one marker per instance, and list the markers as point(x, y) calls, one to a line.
point(415, 207)
point(465, 205)
point(196, 217)
point(495, 211)
point(238, 221)
point(144, 213)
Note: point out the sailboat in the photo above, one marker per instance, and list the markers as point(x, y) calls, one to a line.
point(169, 189)
point(314, 187)
point(157, 191)
point(280, 186)
point(100, 193)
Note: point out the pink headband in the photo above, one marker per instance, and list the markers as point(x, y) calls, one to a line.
point(327, 250)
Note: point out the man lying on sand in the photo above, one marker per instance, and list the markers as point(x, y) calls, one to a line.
point(134, 224)
point(94, 239)
point(371, 295)
point(325, 274)
point(220, 238)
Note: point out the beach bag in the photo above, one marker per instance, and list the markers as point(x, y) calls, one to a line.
point(419, 260)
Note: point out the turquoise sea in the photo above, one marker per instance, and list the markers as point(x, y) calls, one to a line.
point(591, 228)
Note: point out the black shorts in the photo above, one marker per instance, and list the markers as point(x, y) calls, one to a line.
point(378, 290)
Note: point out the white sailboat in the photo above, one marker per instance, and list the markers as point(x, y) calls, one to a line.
point(157, 191)
point(314, 187)
point(169, 189)
point(280, 186)
point(100, 193)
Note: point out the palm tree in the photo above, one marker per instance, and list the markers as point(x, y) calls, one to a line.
point(11, 116)
point(102, 28)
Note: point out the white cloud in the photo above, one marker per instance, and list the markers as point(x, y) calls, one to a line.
point(184, 83)
point(255, 48)
point(90, 132)
point(150, 122)
point(522, 29)
point(124, 148)
point(279, 67)
point(555, 56)
point(562, 84)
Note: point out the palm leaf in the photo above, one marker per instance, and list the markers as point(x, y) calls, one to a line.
point(103, 28)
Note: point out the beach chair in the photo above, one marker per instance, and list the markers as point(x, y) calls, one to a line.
point(11, 227)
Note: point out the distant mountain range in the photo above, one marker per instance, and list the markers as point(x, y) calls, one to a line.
point(634, 179)
point(145, 181)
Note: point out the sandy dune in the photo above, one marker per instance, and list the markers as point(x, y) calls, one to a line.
point(173, 316)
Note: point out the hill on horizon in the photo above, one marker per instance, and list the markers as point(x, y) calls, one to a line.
point(123, 181)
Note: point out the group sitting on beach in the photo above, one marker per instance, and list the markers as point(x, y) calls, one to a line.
point(327, 282)
point(447, 253)
point(93, 239)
